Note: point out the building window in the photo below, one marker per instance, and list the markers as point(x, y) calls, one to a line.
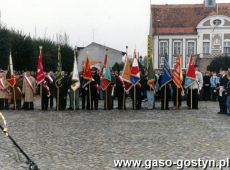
point(163, 50)
point(217, 22)
point(161, 62)
point(177, 48)
point(191, 50)
point(227, 47)
point(206, 48)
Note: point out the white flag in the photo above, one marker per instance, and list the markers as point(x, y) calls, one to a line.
point(75, 84)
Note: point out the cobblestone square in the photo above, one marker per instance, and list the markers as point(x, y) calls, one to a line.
point(84, 140)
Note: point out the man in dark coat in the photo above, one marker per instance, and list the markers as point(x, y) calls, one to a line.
point(94, 89)
point(63, 90)
point(222, 92)
point(120, 92)
point(207, 87)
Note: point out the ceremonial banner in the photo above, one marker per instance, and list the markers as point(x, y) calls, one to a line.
point(166, 76)
point(150, 71)
point(177, 73)
point(40, 77)
point(10, 73)
point(87, 76)
point(126, 75)
point(191, 75)
point(59, 70)
point(75, 82)
point(106, 75)
point(135, 71)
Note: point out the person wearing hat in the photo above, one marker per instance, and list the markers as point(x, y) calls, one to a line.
point(4, 93)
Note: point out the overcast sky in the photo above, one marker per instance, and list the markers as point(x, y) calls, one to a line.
point(115, 23)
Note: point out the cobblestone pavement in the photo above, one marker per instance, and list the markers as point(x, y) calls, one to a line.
point(85, 140)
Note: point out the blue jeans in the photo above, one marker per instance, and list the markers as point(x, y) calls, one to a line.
point(228, 105)
point(150, 98)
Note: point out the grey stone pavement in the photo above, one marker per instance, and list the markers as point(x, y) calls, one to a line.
point(84, 140)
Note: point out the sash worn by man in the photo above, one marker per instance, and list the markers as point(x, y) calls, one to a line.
point(4, 94)
point(29, 91)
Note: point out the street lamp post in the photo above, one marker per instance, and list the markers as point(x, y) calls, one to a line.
point(158, 36)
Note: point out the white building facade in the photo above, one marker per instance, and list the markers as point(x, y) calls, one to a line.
point(97, 53)
point(205, 34)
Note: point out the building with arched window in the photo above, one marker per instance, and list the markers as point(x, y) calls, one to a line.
point(199, 29)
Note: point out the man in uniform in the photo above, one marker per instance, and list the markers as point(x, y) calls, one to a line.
point(94, 87)
point(63, 90)
point(29, 91)
point(45, 94)
point(207, 87)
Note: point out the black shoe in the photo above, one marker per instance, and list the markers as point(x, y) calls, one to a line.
point(220, 112)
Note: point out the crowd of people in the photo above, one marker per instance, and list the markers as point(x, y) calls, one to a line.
point(208, 86)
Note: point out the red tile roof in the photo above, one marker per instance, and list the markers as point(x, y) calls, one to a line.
point(183, 18)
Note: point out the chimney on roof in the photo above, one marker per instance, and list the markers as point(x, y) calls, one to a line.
point(210, 3)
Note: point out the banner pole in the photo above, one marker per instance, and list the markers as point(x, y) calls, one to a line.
point(15, 107)
point(41, 94)
point(106, 97)
point(124, 100)
point(90, 98)
point(57, 98)
point(165, 98)
point(177, 98)
point(74, 104)
point(191, 98)
point(134, 97)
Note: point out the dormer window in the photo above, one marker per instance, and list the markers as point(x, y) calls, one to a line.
point(217, 22)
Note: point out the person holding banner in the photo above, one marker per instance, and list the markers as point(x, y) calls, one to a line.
point(119, 90)
point(63, 90)
point(164, 81)
point(18, 91)
point(51, 85)
point(94, 87)
point(45, 94)
point(194, 90)
point(29, 91)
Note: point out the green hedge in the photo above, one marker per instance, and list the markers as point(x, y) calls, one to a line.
point(25, 51)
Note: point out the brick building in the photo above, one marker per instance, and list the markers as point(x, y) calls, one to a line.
point(199, 29)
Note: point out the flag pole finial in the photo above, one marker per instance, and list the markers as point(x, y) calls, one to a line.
point(74, 52)
point(40, 47)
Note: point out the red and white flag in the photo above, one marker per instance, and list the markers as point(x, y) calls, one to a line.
point(40, 77)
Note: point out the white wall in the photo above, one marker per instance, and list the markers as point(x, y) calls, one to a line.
point(170, 39)
point(97, 53)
